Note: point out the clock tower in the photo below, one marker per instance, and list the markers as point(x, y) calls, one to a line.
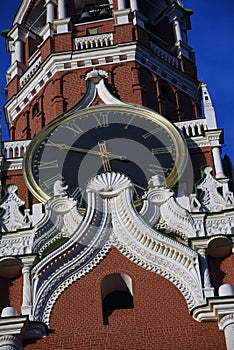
point(117, 215)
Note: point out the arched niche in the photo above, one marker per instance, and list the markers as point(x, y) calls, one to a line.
point(92, 10)
point(117, 294)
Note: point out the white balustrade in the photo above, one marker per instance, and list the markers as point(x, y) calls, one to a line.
point(30, 72)
point(164, 55)
point(192, 128)
point(15, 149)
point(94, 41)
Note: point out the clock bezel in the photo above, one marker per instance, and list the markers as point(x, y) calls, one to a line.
point(180, 145)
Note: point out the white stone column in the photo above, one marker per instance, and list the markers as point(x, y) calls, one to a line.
point(62, 11)
point(176, 29)
point(26, 287)
point(134, 5)
point(226, 324)
point(17, 37)
point(50, 9)
point(217, 163)
point(208, 289)
point(19, 50)
point(27, 290)
point(121, 4)
point(205, 268)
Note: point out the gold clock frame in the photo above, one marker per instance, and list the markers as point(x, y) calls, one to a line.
point(138, 111)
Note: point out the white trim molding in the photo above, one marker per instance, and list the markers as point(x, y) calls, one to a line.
point(111, 221)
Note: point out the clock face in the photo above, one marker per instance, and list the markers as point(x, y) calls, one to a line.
point(128, 139)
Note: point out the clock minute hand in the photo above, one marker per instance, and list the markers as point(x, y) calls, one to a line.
point(63, 146)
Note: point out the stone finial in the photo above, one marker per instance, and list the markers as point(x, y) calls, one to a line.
point(208, 108)
point(211, 200)
point(96, 75)
point(12, 218)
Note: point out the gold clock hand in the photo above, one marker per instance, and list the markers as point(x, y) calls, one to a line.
point(104, 155)
point(63, 146)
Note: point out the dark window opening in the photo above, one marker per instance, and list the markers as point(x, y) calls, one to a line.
point(36, 19)
point(116, 292)
point(93, 12)
point(35, 109)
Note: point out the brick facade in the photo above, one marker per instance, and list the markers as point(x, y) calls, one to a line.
point(146, 66)
point(159, 320)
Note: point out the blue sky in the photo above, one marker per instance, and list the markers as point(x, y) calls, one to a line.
point(211, 37)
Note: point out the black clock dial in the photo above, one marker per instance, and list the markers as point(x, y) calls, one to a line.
point(127, 139)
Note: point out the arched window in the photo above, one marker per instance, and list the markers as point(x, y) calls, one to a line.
point(36, 18)
point(116, 291)
point(35, 109)
point(168, 98)
point(87, 11)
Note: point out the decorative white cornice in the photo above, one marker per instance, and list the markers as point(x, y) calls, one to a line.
point(165, 56)
point(111, 220)
point(16, 243)
point(61, 220)
point(12, 164)
point(167, 72)
point(211, 138)
point(214, 223)
point(14, 329)
point(30, 71)
point(215, 308)
point(160, 209)
point(104, 56)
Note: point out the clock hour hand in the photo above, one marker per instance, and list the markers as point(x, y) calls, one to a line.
point(104, 155)
point(63, 146)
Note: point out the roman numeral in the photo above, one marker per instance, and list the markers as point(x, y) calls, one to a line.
point(140, 187)
point(161, 150)
point(127, 125)
point(74, 128)
point(155, 169)
point(150, 133)
point(48, 183)
point(102, 120)
point(77, 193)
point(48, 165)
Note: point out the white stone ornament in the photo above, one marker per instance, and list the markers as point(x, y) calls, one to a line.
point(12, 218)
point(60, 189)
point(108, 185)
point(110, 220)
point(210, 199)
point(169, 215)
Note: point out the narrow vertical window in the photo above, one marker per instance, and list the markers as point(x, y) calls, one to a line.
point(116, 290)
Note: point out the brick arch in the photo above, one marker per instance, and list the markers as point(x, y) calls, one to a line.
point(159, 317)
point(147, 78)
point(31, 4)
point(118, 77)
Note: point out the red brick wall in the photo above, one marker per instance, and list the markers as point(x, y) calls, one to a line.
point(62, 42)
point(159, 320)
point(221, 271)
point(200, 157)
